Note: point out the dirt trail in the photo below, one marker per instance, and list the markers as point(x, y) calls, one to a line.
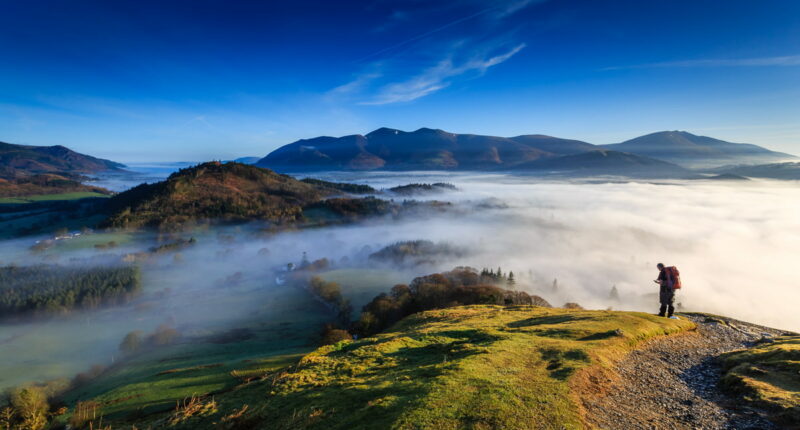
point(671, 382)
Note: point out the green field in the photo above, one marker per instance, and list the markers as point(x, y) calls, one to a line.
point(88, 241)
point(280, 325)
point(50, 197)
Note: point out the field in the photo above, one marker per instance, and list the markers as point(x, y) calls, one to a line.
point(50, 197)
point(467, 367)
point(208, 361)
point(44, 214)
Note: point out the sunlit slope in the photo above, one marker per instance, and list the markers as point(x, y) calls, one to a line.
point(466, 367)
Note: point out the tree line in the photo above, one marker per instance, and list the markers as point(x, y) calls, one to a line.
point(460, 286)
point(43, 289)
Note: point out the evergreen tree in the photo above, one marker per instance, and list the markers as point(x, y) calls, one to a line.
point(555, 285)
point(614, 294)
point(511, 281)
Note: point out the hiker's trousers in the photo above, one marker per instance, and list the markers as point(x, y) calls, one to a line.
point(667, 298)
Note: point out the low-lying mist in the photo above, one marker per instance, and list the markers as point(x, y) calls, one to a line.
point(733, 243)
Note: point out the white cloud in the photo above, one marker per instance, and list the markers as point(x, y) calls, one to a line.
point(436, 78)
point(786, 60)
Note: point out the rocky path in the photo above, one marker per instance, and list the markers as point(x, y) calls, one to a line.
point(671, 382)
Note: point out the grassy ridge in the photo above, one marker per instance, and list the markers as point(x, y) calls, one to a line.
point(768, 375)
point(466, 367)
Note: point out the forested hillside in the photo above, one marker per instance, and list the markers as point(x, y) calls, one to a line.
point(52, 288)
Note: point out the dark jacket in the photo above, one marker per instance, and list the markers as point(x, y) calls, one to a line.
point(663, 278)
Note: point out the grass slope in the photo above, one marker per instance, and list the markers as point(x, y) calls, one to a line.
point(474, 367)
point(768, 375)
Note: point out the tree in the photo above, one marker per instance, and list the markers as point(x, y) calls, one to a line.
point(164, 335)
point(131, 342)
point(511, 281)
point(6, 418)
point(30, 403)
point(614, 294)
point(555, 285)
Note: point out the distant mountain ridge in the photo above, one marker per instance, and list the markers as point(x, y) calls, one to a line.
point(434, 149)
point(423, 149)
point(690, 150)
point(21, 161)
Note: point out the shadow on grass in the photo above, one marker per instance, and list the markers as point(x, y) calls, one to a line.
point(602, 335)
point(546, 320)
point(558, 360)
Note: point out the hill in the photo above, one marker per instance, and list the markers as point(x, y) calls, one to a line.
point(604, 162)
point(226, 192)
point(423, 149)
point(695, 151)
point(19, 161)
point(216, 192)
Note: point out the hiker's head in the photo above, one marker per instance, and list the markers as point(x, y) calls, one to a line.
point(660, 266)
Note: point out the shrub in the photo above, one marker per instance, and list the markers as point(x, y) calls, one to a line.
point(131, 342)
point(331, 335)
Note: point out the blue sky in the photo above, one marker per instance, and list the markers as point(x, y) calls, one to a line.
point(197, 80)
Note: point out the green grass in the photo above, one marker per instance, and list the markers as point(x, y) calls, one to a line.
point(768, 375)
point(87, 241)
point(479, 367)
point(51, 197)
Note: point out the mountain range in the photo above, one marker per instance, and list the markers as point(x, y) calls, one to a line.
point(433, 149)
point(20, 161)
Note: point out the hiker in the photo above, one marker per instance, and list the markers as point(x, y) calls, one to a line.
point(669, 280)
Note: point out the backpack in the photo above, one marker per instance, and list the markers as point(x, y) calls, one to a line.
point(674, 277)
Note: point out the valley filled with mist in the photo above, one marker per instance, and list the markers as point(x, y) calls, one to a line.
point(565, 241)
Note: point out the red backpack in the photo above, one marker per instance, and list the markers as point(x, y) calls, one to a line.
point(673, 277)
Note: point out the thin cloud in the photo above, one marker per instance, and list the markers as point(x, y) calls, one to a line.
point(426, 34)
point(437, 78)
point(787, 60)
point(359, 83)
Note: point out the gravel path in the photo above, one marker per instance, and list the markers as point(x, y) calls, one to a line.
point(671, 382)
